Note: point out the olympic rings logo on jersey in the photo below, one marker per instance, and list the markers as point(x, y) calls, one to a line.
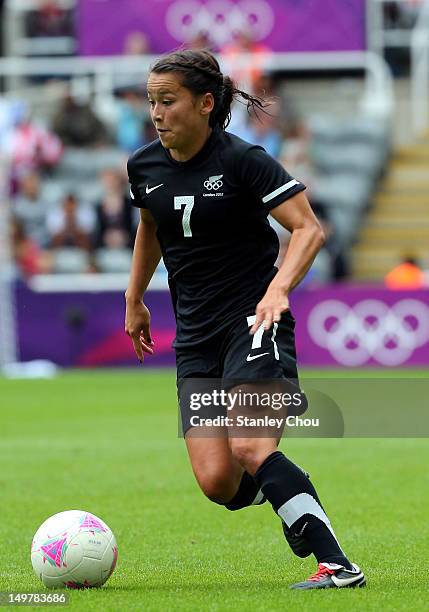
point(222, 19)
point(212, 185)
point(370, 330)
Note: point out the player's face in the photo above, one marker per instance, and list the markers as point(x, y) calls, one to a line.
point(178, 116)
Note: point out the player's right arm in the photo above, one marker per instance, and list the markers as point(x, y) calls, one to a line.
point(146, 256)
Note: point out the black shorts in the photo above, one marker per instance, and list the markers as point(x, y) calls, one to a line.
point(235, 355)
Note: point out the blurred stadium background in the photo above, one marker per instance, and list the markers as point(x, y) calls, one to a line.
point(350, 119)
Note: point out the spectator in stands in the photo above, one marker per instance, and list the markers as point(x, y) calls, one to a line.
point(29, 258)
point(31, 146)
point(406, 275)
point(246, 74)
point(136, 43)
point(332, 261)
point(30, 209)
point(401, 15)
point(295, 155)
point(200, 41)
point(114, 227)
point(71, 225)
point(133, 114)
point(263, 129)
point(49, 19)
point(293, 123)
point(77, 125)
point(334, 255)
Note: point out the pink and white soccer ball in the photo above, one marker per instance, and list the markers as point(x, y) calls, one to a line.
point(74, 549)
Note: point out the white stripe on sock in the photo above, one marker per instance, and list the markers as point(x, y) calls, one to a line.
point(259, 497)
point(301, 504)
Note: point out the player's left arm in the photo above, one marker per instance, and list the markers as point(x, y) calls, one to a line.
point(307, 238)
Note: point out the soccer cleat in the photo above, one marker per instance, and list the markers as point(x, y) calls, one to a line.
point(297, 542)
point(333, 576)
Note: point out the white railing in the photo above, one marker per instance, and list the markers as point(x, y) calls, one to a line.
point(420, 72)
point(98, 76)
point(92, 283)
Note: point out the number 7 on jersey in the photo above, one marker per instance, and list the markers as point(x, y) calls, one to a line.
point(188, 203)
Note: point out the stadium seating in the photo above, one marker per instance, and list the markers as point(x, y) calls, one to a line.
point(113, 260)
point(84, 163)
point(350, 157)
point(70, 261)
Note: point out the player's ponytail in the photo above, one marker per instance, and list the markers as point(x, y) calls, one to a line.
point(201, 74)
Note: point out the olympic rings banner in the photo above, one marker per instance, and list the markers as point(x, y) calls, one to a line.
point(338, 326)
point(360, 327)
point(280, 25)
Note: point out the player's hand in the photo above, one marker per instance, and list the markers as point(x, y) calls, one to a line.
point(137, 326)
point(270, 308)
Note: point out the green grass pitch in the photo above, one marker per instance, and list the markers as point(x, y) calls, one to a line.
point(107, 442)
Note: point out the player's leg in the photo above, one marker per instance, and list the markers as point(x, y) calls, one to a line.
point(291, 494)
point(294, 498)
point(221, 477)
point(286, 486)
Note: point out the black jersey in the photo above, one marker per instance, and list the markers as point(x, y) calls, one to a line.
point(211, 216)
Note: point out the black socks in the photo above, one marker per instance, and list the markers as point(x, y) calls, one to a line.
point(295, 500)
point(248, 494)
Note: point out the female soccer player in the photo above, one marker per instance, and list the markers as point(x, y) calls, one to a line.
point(204, 197)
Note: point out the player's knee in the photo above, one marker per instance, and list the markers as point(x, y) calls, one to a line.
point(213, 485)
point(248, 453)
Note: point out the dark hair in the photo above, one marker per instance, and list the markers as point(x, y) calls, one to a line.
point(202, 74)
point(409, 258)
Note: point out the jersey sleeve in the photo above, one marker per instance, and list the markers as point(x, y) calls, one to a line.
point(266, 178)
point(136, 200)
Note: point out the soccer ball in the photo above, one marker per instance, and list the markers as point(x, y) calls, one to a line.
point(74, 549)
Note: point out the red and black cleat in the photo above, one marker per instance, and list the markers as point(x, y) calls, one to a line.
point(333, 576)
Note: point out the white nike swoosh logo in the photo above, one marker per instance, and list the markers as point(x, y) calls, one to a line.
point(339, 582)
point(149, 189)
point(252, 357)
